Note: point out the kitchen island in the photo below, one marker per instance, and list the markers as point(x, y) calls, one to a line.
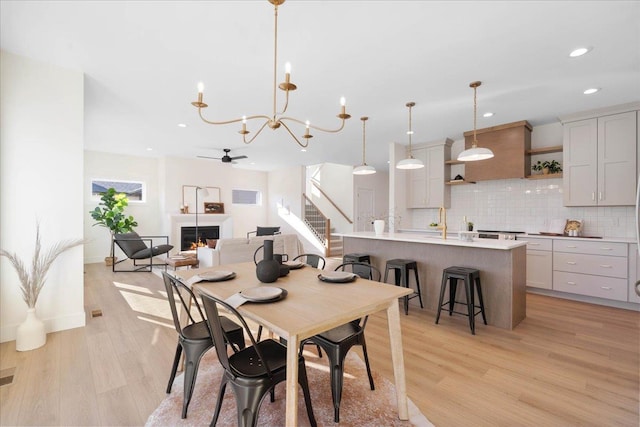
point(502, 265)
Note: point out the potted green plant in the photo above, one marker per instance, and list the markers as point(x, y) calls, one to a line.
point(110, 214)
point(547, 166)
point(31, 333)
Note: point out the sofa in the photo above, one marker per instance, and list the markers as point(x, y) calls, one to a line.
point(234, 250)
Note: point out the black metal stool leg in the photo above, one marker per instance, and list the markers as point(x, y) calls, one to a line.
point(453, 286)
point(480, 301)
point(468, 286)
point(415, 271)
point(443, 289)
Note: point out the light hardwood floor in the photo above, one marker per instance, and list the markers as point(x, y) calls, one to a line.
point(567, 363)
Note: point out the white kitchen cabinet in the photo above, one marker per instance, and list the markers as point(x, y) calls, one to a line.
point(634, 273)
point(600, 160)
point(426, 185)
point(592, 268)
point(539, 263)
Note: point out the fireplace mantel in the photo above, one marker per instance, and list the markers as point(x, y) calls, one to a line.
point(225, 222)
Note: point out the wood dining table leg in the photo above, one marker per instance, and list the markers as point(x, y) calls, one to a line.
point(397, 357)
point(293, 342)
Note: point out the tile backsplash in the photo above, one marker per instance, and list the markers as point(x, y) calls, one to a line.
point(525, 205)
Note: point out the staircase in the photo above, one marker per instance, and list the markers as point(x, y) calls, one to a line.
point(320, 225)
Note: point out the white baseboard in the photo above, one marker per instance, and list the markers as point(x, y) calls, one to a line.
point(71, 321)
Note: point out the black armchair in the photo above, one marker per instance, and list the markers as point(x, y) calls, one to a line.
point(264, 231)
point(135, 248)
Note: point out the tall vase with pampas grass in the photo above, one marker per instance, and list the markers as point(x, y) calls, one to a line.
point(31, 333)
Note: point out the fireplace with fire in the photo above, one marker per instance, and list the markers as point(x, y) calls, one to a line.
point(188, 237)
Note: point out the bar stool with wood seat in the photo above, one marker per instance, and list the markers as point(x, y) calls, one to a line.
point(470, 276)
point(401, 268)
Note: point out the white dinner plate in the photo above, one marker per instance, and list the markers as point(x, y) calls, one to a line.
point(337, 276)
point(216, 276)
point(261, 293)
point(293, 265)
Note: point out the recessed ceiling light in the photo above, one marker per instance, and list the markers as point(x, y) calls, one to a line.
point(149, 149)
point(182, 125)
point(579, 52)
point(304, 150)
point(591, 91)
point(487, 114)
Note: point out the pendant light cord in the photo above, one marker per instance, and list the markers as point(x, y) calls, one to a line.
point(410, 105)
point(364, 120)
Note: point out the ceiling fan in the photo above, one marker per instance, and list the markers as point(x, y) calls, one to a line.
point(226, 158)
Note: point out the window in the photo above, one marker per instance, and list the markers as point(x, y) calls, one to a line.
point(136, 191)
point(246, 197)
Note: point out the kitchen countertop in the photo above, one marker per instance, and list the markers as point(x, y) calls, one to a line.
point(451, 240)
point(454, 236)
point(588, 238)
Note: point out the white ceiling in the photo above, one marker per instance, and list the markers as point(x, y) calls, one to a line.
point(143, 59)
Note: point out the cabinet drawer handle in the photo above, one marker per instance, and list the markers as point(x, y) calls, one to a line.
point(593, 196)
point(571, 246)
point(606, 249)
point(606, 288)
point(533, 244)
point(571, 262)
point(571, 283)
point(600, 195)
point(605, 266)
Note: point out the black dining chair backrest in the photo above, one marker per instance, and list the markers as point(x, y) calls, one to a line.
point(194, 337)
point(364, 270)
point(314, 260)
point(253, 371)
point(337, 342)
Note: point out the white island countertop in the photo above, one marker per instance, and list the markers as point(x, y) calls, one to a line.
point(451, 240)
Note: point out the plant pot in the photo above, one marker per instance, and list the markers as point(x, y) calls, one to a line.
point(545, 171)
point(469, 227)
point(108, 261)
point(30, 333)
point(378, 226)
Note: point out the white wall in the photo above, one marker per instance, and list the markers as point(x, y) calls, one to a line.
point(212, 173)
point(41, 168)
point(337, 182)
point(164, 179)
point(120, 167)
point(286, 203)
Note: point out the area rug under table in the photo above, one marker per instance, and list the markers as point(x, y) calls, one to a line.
point(359, 407)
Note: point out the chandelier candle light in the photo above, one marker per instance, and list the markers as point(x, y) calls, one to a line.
point(410, 162)
point(474, 153)
point(276, 119)
point(364, 168)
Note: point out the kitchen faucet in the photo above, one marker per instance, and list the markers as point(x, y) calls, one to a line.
point(442, 221)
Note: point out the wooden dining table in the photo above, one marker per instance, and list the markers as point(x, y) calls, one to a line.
point(312, 306)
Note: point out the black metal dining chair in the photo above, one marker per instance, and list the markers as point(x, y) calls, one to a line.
point(338, 341)
point(194, 338)
point(252, 372)
point(314, 260)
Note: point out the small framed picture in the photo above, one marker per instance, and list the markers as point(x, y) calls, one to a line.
point(213, 207)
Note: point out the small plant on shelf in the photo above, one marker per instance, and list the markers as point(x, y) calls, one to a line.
point(547, 166)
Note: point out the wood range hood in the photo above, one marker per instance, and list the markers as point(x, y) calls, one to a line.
point(509, 143)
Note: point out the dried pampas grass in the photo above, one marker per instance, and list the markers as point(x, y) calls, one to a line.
point(31, 282)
